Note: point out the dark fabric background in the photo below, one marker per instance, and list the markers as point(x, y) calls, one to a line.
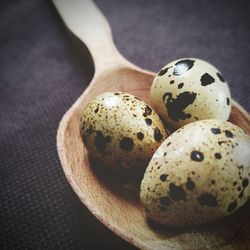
point(42, 74)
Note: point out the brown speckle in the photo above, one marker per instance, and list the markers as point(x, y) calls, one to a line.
point(208, 200)
point(217, 156)
point(148, 121)
point(212, 182)
point(190, 185)
point(127, 144)
point(163, 177)
point(176, 193)
point(140, 136)
point(215, 131)
point(147, 111)
point(231, 206)
point(241, 194)
point(158, 135)
point(229, 134)
point(197, 155)
point(180, 85)
point(245, 182)
point(165, 201)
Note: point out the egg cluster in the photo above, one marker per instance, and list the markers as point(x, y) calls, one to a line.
point(200, 172)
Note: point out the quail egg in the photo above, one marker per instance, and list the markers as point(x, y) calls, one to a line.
point(121, 131)
point(188, 90)
point(199, 174)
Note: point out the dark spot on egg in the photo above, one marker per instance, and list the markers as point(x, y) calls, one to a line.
point(158, 135)
point(148, 121)
point(100, 142)
point(163, 71)
point(217, 156)
point(180, 85)
point(215, 131)
point(147, 111)
point(168, 144)
point(165, 201)
point(163, 177)
point(221, 78)
point(206, 79)
point(175, 106)
point(208, 200)
point(96, 110)
point(212, 182)
point(240, 167)
point(140, 136)
point(127, 144)
point(116, 93)
point(172, 82)
point(137, 98)
point(228, 101)
point(176, 193)
point(183, 66)
point(231, 206)
point(245, 182)
point(197, 155)
point(221, 142)
point(229, 134)
point(190, 185)
point(241, 194)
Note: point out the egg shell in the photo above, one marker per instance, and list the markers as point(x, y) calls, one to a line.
point(121, 131)
point(188, 90)
point(199, 174)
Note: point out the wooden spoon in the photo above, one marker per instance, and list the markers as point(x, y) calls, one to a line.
point(112, 199)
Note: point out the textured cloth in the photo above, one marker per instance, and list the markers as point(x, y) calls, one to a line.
point(42, 74)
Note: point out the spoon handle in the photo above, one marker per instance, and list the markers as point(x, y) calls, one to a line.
point(85, 21)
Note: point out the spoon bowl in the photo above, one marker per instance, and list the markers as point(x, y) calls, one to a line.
point(114, 197)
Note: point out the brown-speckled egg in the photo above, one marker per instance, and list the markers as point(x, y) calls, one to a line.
point(120, 130)
point(199, 174)
point(188, 90)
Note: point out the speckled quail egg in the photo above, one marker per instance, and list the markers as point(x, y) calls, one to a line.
point(188, 90)
point(199, 174)
point(121, 131)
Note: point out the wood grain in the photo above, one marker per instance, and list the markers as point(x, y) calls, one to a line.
point(112, 197)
